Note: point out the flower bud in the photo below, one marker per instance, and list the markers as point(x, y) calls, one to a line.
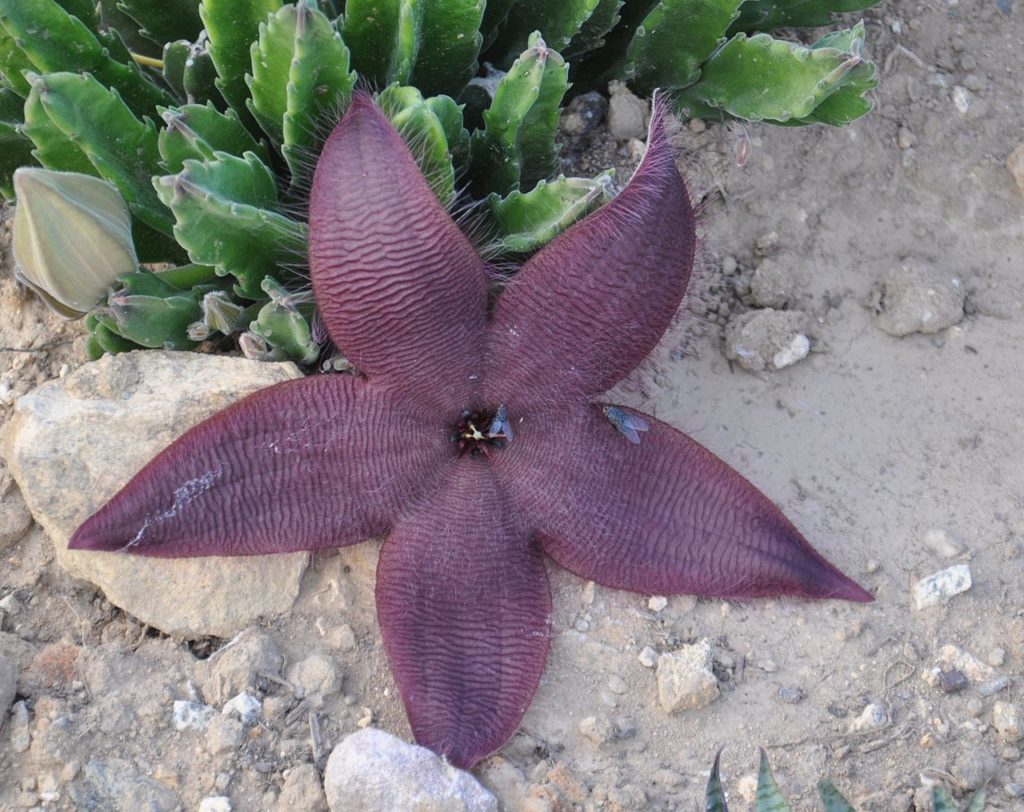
point(72, 238)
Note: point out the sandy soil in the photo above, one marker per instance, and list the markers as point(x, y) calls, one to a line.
point(868, 444)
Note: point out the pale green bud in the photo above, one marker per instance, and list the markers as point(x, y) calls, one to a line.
point(72, 238)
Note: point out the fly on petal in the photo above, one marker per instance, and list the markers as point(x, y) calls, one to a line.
point(501, 426)
point(627, 424)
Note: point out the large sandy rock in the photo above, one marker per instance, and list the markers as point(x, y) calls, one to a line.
point(373, 771)
point(72, 443)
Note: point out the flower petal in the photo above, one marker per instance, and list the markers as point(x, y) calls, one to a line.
point(401, 290)
point(587, 308)
point(662, 516)
point(464, 608)
point(319, 462)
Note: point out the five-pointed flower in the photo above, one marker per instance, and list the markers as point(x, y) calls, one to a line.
point(472, 438)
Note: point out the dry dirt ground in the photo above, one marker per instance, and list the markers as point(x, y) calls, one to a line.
point(871, 446)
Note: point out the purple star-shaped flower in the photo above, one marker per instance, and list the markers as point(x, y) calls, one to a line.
point(473, 439)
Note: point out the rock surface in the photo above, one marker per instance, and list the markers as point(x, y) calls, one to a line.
point(920, 299)
point(685, 678)
point(66, 448)
point(772, 284)
point(767, 339)
point(374, 771)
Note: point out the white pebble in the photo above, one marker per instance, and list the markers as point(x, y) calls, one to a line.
point(873, 717)
point(797, 350)
point(247, 708)
point(191, 715)
point(648, 657)
point(940, 586)
point(657, 603)
point(939, 542)
point(217, 803)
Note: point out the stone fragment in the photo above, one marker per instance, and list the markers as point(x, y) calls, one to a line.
point(244, 707)
point(191, 715)
point(791, 694)
point(772, 284)
point(373, 771)
point(66, 448)
point(767, 339)
point(224, 735)
point(8, 685)
point(627, 113)
point(940, 586)
point(237, 666)
point(657, 603)
point(873, 717)
point(1015, 163)
point(302, 790)
point(1006, 719)
point(919, 299)
point(952, 681)
point(20, 736)
point(957, 658)
point(648, 657)
point(215, 803)
point(598, 729)
point(685, 678)
point(317, 677)
point(992, 687)
point(584, 113)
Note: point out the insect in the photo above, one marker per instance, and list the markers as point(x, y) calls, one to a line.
point(501, 426)
point(627, 424)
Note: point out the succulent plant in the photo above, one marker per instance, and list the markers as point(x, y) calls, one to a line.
point(207, 116)
point(769, 797)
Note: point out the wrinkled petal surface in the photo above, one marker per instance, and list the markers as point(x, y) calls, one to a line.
point(464, 608)
point(401, 290)
point(592, 304)
point(660, 517)
point(319, 462)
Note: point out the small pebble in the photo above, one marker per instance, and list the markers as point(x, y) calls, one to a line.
point(994, 686)
point(587, 593)
point(905, 139)
point(191, 715)
point(1006, 720)
point(996, 657)
point(940, 586)
point(648, 657)
point(730, 265)
point(20, 736)
point(685, 678)
point(617, 684)
point(952, 681)
point(246, 707)
point(873, 717)
point(219, 803)
point(657, 603)
point(1011, 754)
point(598, 729)
point(768, 666)
point(940, 543)
point(790, 694)
point(10, 604)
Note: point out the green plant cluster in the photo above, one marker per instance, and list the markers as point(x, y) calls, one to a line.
point(207, 116)
point(769, 797)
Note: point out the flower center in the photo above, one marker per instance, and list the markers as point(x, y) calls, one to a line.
point(478, 431)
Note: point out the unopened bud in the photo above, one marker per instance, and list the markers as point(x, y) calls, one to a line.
point(72, 238)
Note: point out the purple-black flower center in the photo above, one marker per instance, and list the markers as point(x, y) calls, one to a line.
point(479, 431)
